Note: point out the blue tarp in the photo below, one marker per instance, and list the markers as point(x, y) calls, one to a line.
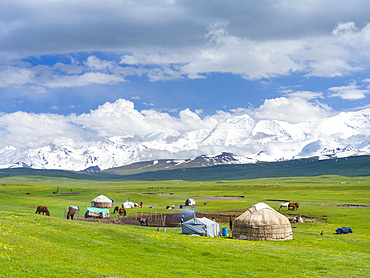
point(96, 209)
point(344, 230)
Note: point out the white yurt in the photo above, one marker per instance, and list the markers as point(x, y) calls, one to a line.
point(128, 204)
point(261, 222)
point(102, 202)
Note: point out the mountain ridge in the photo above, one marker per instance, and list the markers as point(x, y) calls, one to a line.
point(343, 135)
point(355, 166)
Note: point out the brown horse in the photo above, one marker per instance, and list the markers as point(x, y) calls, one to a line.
point(293, 206)
point(71, 213)
point(43, 210)
point(122, 211)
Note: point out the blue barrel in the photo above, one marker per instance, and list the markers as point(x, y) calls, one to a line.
point(224, 232)
point(164, 230)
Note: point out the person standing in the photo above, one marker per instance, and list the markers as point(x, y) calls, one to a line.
point(231, 224)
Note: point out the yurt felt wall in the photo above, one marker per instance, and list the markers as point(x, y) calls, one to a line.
point(101, 202)
point(261, 222)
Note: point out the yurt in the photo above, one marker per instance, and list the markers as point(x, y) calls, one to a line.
point(102, 202)
point(200, 227)
point(261, 222)
point(128, 204)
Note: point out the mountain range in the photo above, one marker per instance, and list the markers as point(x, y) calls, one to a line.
point(235, 140)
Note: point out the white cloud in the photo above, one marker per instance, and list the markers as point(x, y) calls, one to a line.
point(15, 76)
point(120, 118)
point(344, 50)
point(60, 75)
point(349, 92)
point(84, 79)
point(308, 95)
point(21, 129)
point(291, 109)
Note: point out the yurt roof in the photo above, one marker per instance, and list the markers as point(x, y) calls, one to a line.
point(101, 199)
point(262, 214)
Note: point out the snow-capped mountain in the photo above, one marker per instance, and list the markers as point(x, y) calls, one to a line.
point(345, 134)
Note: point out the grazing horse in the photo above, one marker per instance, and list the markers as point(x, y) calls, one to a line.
point(122, 211)
point(43, 210)
point(76, 208)
point(71, 213)
point(116, 209)
point(142, 221)
point(283, 205)
point(293, 206)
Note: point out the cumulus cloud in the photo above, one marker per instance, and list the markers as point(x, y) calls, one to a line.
point(121, 118)
point(21, 129)
point(349, 92)
point(292, 109)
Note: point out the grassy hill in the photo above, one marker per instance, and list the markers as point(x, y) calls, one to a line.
point(39, 246)
point(351, 167)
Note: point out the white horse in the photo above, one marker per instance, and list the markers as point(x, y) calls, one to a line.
point(284, 205)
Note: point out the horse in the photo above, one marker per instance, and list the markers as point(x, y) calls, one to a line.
point(116, 209)
point(293, 206)
point(142, 221)
point(76, 208)
point(122, 211)
point(43, 210)
point(283, 205)
point(71, 213)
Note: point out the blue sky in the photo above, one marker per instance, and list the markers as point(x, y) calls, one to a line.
point(61, 59)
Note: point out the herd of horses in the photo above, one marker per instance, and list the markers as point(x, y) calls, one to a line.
point(289, 206)
point(74, 209)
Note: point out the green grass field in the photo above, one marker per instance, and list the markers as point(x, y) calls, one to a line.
point(39, 246)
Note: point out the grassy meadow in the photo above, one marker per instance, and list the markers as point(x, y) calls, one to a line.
point(39, 246)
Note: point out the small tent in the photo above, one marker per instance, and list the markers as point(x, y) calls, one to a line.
point(201, 226)
point(261, 222)
point(102, 202)
point(96, 213)
point(128, 204)
point(344, 230)
point(190, 202)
